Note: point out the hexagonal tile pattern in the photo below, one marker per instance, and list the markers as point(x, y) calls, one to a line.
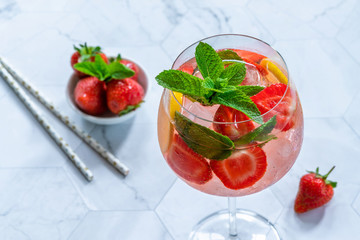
point(329, 142)
point(202, 22)
point(43, 196)
point(316, 81)
point(121, 225)
point(347, 36)
point(137, 146)
point(287, 20)
point(30, 209)
point(352, 115)
point(183, 207)
point(26, 143)
point(332, 223)
point(108, 27)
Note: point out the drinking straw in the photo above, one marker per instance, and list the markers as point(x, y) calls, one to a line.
point(44, 123)
point(121, 167)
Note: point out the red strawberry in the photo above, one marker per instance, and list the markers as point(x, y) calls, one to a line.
point(85, 53)
point(188, 164)
point(123, 93)
point(314, 191)
point(90, 95)
point(132, 66)
point(270, 97)
point(234, 130)
point(242, 169)
point(250, 56)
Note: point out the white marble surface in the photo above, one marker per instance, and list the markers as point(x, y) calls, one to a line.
point(42, 196)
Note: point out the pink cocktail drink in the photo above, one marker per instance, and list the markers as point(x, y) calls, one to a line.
point(230, 121)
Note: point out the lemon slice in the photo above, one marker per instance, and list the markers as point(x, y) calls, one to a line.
point(174, 105)
point(274, 70)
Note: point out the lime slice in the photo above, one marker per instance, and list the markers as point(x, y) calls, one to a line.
point(274, 69)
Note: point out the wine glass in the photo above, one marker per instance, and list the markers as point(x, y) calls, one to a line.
point(255, 162)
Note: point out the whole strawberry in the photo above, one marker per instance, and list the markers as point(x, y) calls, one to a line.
point(314, 191)
point(123, 95)
point(85, 53)
point(90, 95)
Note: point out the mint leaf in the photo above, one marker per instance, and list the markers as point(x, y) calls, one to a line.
point(228, 55)
point(87, 68)
point(129, 108)
point(119, 71)
point(240, 101)
point(101, 67)
point(202, 140)
point(235, 73)
point(250, 90)
point(260, 133)
point(185, 83)
point(208, 61)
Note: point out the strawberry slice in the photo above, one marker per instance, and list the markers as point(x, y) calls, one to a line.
point(187, 68)
point(188, 164)
point(270, 97)
point(248, 55)
point(241, 170)
point(234, 130)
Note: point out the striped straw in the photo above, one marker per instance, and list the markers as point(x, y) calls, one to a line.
point(44, 123)
point(122, 168)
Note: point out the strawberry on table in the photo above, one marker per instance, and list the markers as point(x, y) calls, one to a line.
point(242, 169)
point(90, 95)
point(86, 53)
point(314, 191)
point(235, 129)
point(188, 164)
point(269, 98)
point(123, 95)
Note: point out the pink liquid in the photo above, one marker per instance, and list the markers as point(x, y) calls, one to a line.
point(281, 153)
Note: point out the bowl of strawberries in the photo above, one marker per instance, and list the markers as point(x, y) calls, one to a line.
point(105, 90)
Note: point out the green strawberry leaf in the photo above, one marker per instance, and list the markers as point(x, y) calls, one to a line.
point(240, 101)
point(228, 54)
point(202, 140)
point(208, 61)
point(130, 108)
point(185, 83)
point(260, 133)
point(250, 90)
point(235, 73)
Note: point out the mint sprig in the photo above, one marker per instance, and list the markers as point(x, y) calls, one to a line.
point(234, 73)
point(215, 146)
point(103, 71)
point(208, 61)
point(228, 54)
point(261, 133)
point(202, 140)
point(219, 86)
point(240, 101)
point(184, 83)
point(250, 90)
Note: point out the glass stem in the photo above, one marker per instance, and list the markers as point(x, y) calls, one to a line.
point(232, 216)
